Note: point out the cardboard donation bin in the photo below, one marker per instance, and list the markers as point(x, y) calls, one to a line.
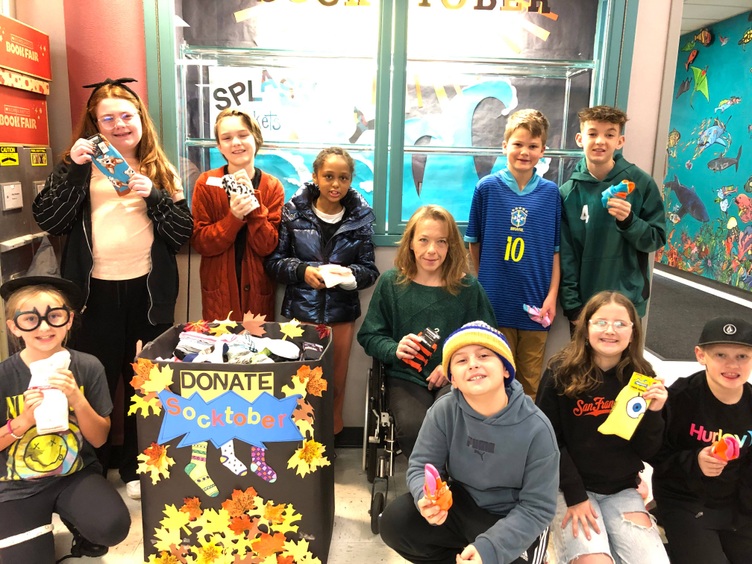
point(235, 459)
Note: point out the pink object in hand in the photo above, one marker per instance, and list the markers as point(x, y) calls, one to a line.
point(535, 315)
point(726, 448)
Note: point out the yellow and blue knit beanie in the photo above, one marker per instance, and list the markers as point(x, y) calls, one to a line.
point(479, 333)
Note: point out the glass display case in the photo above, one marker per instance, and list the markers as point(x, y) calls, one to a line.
point(417, 92)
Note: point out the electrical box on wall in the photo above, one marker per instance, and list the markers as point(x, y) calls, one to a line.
point(12, 196)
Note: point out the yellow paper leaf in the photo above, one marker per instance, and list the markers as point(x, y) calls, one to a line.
point(212, 522)
point(165, 537)
point(308, 458)
point(143, 405)
point(223, 327)
point(305, 428)
point(291, 329)
point(296, 387)
point(174, 519)
point(154, 461)
point(160, 378)
point(300, 552)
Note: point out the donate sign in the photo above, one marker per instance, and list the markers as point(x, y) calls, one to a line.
point(229, 416)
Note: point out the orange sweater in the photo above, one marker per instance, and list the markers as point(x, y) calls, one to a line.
point(214, 232)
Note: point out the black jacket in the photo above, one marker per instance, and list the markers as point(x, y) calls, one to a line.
point(301, 243)
point(64, 208)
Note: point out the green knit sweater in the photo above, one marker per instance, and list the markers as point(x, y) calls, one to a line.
point(397, 310)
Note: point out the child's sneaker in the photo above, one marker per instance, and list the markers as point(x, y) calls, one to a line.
point(133, 489)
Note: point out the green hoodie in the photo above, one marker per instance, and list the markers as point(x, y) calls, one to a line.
point(597, 251)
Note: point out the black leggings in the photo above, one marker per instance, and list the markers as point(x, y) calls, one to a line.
point(407, 532)
point(114, 319)
point(701, 535)
point(85, 499)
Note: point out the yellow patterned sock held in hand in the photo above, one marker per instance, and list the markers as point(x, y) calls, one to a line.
point(197, 472)
point(628, 408)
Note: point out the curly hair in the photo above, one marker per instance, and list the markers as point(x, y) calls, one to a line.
point(152, 159)
point(607, 114)
point(574, 368)
point(320, 159)
point(532, 121)
point(455, 264)
point(248, 121)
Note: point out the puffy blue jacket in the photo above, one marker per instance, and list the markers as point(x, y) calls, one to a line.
point(301, 242)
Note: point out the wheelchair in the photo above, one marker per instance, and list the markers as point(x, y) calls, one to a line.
point(379, 444)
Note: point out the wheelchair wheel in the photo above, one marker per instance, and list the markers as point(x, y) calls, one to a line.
point(377, 508)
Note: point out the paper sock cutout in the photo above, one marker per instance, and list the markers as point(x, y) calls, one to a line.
point(260, 467)
point(628, 408)
point(230, 461)
point(197, 472)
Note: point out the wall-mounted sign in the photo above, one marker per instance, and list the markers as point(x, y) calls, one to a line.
point(24, 49)
point(23, 117)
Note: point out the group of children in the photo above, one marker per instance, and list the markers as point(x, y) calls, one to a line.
point(510, 486)
point(513, 467)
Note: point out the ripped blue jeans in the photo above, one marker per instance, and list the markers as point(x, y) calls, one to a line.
point(623, 540)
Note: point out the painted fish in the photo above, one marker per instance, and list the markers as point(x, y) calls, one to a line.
point(746, 38)
point(726, 103)
point(688, 165)
point(716, 133)
point(722, 163)
point(744, 203)
point(748, 185)
point(683, 87)
point(673, 140)
point(691, 59)
point(673, 218)
point(723, 39)
point(690, 202)
point(724, 191)
point(689, 45)
point(704, 36)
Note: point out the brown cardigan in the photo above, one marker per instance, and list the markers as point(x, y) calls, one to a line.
point(214, 233)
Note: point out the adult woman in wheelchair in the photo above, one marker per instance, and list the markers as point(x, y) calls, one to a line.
point(426, 296)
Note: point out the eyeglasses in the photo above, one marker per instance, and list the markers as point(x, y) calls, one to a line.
point(602, 325)
point(109, 122)
point(30, 320)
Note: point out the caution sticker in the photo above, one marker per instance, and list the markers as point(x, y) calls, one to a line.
point(9, 156)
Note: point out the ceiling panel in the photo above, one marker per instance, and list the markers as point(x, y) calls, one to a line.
point(701, 13)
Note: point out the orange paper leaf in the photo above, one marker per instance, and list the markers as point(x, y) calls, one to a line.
point(192, 506)
point(254, 324)
point(240, 502)
point(239, 525)
point(267, 544)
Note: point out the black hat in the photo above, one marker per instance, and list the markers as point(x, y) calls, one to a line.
point(71, 292)
point(726, 330)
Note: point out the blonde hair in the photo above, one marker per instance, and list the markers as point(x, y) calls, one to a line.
point(248, 121)
point(22, 295)
point(574, 368)
point(531, 120)
point(153, 161)
point(455, 265)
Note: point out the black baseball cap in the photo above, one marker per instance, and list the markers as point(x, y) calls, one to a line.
point(727, 331)
point(71, 292)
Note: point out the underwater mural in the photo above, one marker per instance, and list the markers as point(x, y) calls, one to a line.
point(707, 187)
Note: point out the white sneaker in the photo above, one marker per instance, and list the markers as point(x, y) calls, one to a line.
point(133, 489)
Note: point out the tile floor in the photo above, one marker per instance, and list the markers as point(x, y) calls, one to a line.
point(352, 540)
